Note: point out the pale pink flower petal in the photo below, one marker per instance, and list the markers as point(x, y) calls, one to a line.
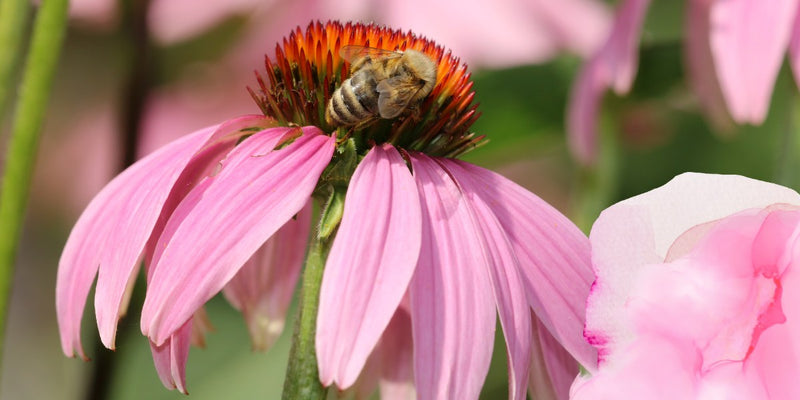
point(718, 321)
point(257, 192)
point(748, 41)
point(452, 308)
point(699, 63)
point(170, 358)
point(370, 264)
point(504, 272)
point(612, 66)
point(553, 255)
point(262, 290)
point(709, 309)
point(641, 230)
point(123, 214)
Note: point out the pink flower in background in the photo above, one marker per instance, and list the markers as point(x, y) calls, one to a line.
point(428, 245)
point(697, 293)
point(734, 50)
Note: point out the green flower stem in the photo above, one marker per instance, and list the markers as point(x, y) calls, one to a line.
point(302, 375)
point(48, 34)
point(788, 163)
point(13, 15)
point(597, 184)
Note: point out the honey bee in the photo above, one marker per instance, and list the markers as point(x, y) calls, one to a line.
point(382, 84)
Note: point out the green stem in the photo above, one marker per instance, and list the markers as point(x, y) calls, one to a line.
point(48, 34)
point(597, 184)
point(13, 15)
point(302, 376)
point(790, 146)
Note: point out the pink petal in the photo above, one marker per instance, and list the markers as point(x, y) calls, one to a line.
point(452, 309)
point(552, 251)
point(205, 163)
point(614, 66)
point(748, 41)
point(369, 266)
point(504, 271)
point(111, 233)
point(262, 290)
point(114, 278)
point(257, 192)
point(699, 64)
point(552, 368)
point(170, 358)
point(717, 313)
point(641, 230)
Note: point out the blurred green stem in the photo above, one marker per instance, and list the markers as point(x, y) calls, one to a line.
point(13, 15)
point(40, 66)
point(597, 183)
point(302, 376)
point(789, 158)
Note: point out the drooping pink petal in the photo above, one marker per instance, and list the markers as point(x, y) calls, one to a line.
point(613, 66)
point(111, 233)
point(699, 64)
point(370, 264)
point(257, 191)
point(552, 368)
point(748, 41)
point(116, 272)
point(170, 358)
point(553, 255)
point(262, 290)
point(641, 230)
point(205, 163)
point(504, 271)
point(452, 308)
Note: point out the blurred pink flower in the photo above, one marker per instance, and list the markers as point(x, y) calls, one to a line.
point(501, 33)
point(697, 293)
point(734, 50)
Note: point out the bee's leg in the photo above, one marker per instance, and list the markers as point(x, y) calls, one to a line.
point(365, 124)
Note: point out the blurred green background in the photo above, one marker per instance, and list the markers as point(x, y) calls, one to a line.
point(648, 136)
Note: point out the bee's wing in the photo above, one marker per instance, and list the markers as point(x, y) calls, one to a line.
point(395, 95)
point(353, 53)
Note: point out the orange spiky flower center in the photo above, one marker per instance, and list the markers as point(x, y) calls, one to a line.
point(307, 69)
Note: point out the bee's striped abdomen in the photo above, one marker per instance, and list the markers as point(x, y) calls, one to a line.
point(354, 101)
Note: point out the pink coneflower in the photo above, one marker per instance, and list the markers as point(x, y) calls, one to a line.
point(436, 245)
